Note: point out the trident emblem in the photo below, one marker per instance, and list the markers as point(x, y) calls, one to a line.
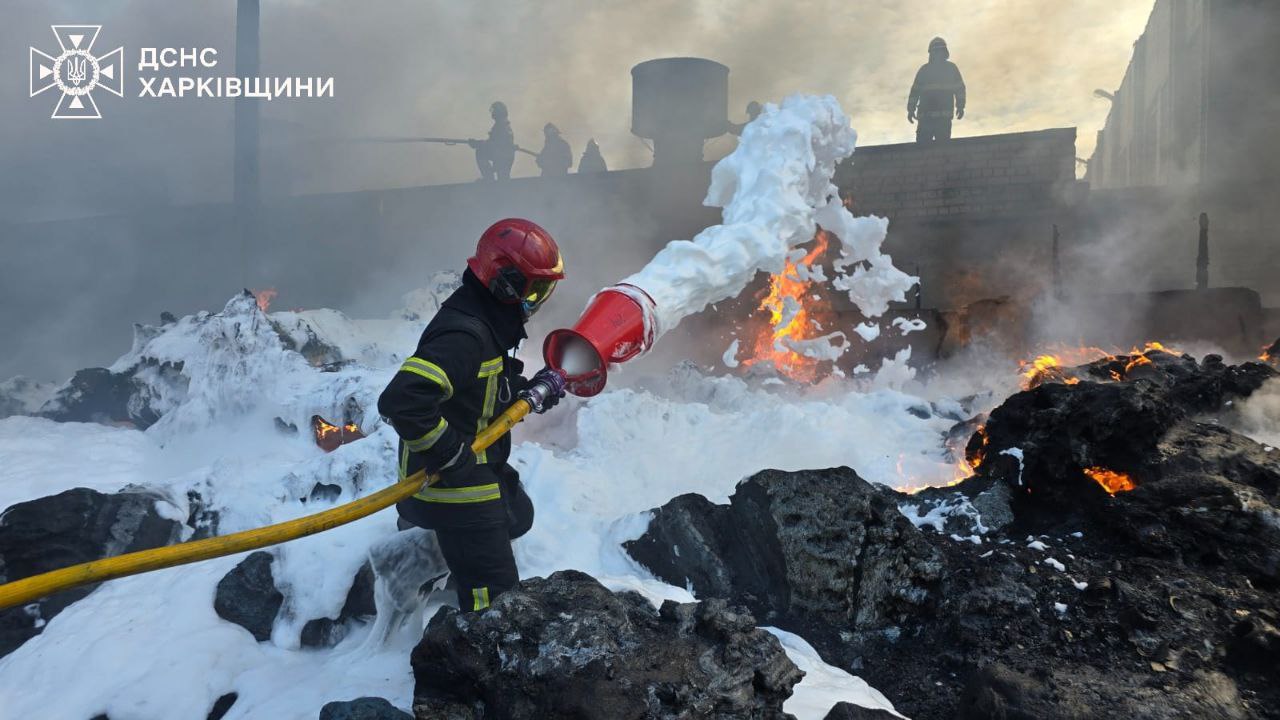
point(76, 72)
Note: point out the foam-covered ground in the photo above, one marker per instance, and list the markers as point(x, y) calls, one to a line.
point(593, 468)
point(151, 646)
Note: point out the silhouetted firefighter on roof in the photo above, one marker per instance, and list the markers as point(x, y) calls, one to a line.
point(496, 154)
point(556, 157)
point(592, 160)
point(936, 94)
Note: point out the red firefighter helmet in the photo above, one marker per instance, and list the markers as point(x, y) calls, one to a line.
point(519, 262)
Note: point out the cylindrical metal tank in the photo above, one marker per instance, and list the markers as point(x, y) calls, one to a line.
point(678, 103)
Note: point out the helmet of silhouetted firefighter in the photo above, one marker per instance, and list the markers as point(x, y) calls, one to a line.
point(519, 262)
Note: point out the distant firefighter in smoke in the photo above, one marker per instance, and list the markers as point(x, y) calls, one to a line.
point(592, 160)
point(496, 154)
point(556, 157)
point(936, 94)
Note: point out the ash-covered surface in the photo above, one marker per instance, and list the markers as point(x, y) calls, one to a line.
point(1029, 590)
point(566, 646)
point(823, 545)
point(71, 527)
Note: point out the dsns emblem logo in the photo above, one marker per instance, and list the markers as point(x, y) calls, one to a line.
point(76, 72)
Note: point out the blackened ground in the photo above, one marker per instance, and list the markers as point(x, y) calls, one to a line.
point(71, 527)
point(1159, 602)
point(567, 647)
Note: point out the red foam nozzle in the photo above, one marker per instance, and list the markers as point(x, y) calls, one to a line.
point(617, 325)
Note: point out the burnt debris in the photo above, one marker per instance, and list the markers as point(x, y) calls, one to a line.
point(566, 646)
point(74, 526)
point(1043, 586)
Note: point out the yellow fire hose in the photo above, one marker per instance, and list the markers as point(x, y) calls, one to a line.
point(25, 590)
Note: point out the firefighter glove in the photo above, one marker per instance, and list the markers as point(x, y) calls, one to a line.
point(459, 467)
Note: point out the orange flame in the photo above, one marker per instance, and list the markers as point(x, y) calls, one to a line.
point(264, 297)
point(965, 468)
point(771, 343)
point(1111, 481)
point(330, 437)
point(1054, 365)
point(1045, 368)
point(968, 466)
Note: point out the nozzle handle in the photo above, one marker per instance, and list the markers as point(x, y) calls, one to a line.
point(548, 383)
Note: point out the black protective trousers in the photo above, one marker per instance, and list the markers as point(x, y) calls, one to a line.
point(476, 541)
point(930, 129)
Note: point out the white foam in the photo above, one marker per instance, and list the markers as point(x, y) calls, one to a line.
point(775, 189)
point(593, 468)
point(730, 357)
point(824, 685)
point(908, 326)
point(868, 331)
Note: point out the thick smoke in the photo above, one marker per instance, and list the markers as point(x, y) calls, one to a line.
point(433, 68)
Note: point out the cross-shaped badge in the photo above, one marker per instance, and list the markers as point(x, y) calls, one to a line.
point(76, 72)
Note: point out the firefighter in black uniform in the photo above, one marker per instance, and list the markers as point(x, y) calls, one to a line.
point(937, 92)
point(463, 375)
point(496, 154)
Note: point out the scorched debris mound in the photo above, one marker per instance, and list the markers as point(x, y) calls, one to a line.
point(1042, 586)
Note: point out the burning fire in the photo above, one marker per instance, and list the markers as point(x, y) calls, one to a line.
point(968, 465)
point(330, 437)
point(1045, 368)
point(964, 469)
point(1111, 481)
point(793, 308)
point(265, 297)
point(1053, 366)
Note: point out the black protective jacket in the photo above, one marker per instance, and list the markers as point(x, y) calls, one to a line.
point(556, 158)
point(458, 380)
point(938, 91)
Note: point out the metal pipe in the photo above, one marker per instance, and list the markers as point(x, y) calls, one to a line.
point(1202, 255)
point(246, 178)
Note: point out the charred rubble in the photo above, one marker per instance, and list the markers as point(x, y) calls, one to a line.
point(565, 646)
point(71, 527)
point(1115, 554)
point(1271, 353)
point(249, 597)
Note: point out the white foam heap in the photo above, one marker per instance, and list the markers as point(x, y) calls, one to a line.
point(775, 189)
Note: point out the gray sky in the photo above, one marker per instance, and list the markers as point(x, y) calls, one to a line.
point(427, 67)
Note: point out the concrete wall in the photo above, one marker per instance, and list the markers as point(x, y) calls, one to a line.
point(1198, 99)
point(72, 292)
point(70, 295)
point(993, 177)
point(973, 216)
point(1146, 239)
point(1229, 318)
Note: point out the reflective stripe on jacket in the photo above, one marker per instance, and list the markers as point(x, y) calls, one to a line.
point(458, 379)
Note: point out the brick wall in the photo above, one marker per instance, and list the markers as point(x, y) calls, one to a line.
point(994, 176)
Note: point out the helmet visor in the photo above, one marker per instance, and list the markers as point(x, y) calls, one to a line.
point(539, 291)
